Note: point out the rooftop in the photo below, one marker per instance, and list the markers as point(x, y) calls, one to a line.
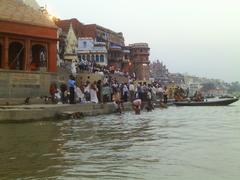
point(139, 45)
point(17, 11)
point(65, 25)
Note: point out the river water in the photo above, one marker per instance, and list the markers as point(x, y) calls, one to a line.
point(178, 143)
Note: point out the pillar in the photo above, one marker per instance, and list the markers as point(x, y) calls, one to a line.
point(5, 53)
point(1, 44)
point(27, 52)
point(105, 59)
point(52, 57)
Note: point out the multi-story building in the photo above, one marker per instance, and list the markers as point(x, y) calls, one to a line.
point(114, 41)
point(90, 50)
point(139, 60)
point(132, 58)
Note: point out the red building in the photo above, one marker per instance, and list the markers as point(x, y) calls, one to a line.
point(28, 50)
point(27, 38)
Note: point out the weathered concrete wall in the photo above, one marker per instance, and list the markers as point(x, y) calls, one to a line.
point(19, 84)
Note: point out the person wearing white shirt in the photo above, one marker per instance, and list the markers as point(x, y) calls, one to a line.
point(79, 94)
point(131, 91)
point(93, 93)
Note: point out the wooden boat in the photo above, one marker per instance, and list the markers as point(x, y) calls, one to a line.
point(206, 102)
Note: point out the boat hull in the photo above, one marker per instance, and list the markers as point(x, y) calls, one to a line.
point(220, 102)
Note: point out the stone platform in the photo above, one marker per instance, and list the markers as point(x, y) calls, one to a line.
point(21, 113)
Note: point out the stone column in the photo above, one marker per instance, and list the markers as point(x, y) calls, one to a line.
point(52, 57)
point(5, 53)
point(27, 53)
point(105, 59)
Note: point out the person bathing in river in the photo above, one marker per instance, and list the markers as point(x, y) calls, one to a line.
point(149, 104)
point(136, 104)
point(117, 100)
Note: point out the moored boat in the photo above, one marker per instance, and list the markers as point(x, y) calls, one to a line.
point(206, 102)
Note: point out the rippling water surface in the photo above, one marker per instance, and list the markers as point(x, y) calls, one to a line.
point(178, 143)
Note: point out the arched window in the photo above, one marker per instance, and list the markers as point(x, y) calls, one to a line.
point(1, 54)
point(102, 58)
point(97, 58)
point(16, 56)
point(83, 57)
point(39, 57)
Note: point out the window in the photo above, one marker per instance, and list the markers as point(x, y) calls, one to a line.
point(39, 57)
point(84, 44)
point(16, 56)
point(97, 58)
point(102, 58)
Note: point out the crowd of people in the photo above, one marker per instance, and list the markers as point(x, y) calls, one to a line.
point(107, 90)
point(110, 90)
point(78, 66)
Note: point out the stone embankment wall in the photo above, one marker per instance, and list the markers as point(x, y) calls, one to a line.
point(52, 112)
point(19, 84)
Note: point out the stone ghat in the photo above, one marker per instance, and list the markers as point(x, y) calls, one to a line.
point(51, 112)
point(54, 112)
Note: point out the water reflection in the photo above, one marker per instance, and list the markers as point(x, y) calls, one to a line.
point(30, 149)
point(105, 142)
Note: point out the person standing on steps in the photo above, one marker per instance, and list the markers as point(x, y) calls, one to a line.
point(71, 85)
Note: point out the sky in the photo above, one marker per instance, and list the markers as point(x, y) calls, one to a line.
point(197, 37)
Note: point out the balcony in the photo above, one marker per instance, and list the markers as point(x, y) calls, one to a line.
point(115, 59)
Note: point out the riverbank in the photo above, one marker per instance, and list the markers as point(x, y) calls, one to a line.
point(34, 112)
point(53, 112)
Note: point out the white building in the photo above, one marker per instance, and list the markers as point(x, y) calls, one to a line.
point(90, 50)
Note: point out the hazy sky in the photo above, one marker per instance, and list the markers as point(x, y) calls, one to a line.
point(199, 37)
